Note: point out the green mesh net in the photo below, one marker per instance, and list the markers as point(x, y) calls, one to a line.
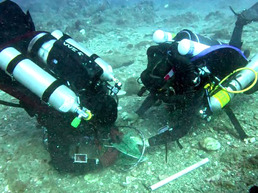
point(131, 147)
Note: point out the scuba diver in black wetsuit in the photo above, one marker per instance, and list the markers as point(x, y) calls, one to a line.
point(187, 71)
point(55, 79)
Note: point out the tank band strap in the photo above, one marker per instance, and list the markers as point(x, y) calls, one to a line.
point(233, 87)
point(13, 63)
point(47, 93)
point(37, 45)
point(64, 37)
point(93, 57)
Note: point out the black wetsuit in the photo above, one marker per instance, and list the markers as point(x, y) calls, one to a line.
point(243, 18)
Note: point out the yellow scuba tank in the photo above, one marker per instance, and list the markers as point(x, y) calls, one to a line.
point(243, 81)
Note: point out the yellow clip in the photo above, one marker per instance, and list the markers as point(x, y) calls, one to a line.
point(207, 86)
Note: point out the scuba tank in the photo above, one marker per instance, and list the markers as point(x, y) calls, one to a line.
point(53, 48)
point(239, 84)
point(191, 44)
point(160, 36)
point(191, 48)
point(107, 74)
point(187, 34)
point(41, 83)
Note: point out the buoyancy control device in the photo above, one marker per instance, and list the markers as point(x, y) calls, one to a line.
point(163, 58)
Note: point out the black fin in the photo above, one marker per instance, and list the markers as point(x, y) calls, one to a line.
point(248, 15)
point(179, 144)
point(235, 122)
point(251, 14)
point(30, 24)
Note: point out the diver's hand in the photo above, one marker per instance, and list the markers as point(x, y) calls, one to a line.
point(131, 117)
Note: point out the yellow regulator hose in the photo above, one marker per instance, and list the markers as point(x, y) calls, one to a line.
point(239, 91)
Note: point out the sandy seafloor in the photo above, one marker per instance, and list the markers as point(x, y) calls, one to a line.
point(121, 36)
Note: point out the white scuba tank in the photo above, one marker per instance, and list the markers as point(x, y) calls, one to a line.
point(37, 80)
point(189, 47)
point(160, 36)
point(46, 47)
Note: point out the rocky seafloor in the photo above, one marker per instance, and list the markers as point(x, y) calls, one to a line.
point(121, 34)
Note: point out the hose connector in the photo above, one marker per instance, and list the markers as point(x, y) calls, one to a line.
point(83, 113)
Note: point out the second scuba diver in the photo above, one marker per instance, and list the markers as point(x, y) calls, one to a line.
point(191, 72)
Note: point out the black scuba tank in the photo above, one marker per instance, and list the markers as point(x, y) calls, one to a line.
point(187, 34)
point(66, 58)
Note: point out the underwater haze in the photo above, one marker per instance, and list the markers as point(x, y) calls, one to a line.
point(120, 32)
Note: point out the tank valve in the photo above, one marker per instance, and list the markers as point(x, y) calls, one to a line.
point(83, 113)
